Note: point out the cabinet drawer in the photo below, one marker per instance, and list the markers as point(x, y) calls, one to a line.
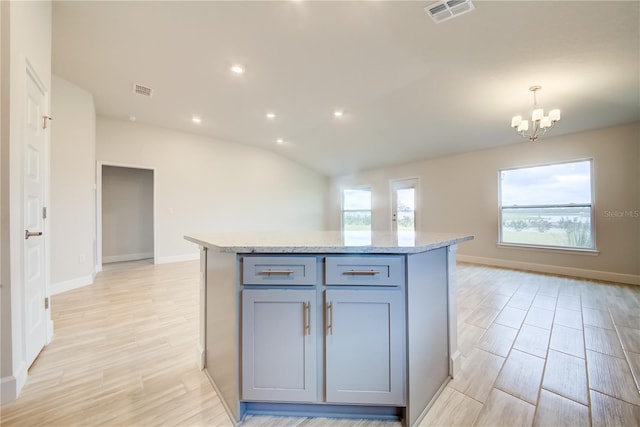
point(279, 271)
point(364, 270)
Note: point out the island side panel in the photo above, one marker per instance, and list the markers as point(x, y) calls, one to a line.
point(427, 330)
point(454, 353)
point(203, 307)
point(222, 329)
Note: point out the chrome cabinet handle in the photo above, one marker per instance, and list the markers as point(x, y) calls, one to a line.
point(361, 272)
point(277, 272)
point(307, 318)
point(329, 318)
point(28, 234)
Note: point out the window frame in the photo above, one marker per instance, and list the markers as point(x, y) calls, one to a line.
point(343, 210)
point(591, 250)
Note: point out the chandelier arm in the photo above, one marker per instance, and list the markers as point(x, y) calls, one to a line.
point(536, 127)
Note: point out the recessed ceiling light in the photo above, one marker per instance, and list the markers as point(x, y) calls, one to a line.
point(237, 69)
point(270, 115)
point(338, 113)
point(279, 141)
point(196, 119)
point(132, 118)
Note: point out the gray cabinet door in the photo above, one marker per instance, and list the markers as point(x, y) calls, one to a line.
point(279, 345)
point(364, 347)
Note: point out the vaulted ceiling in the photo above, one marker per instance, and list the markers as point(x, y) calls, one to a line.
point(409, 88)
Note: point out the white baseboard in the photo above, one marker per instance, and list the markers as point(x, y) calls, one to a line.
point(178, 258)
point(68, 285)
point(10, 386)
point(200, 357)
point(631, 279)
point(8, 389)
point(126, 257)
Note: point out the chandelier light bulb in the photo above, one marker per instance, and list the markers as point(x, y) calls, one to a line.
point(515, 121)
point(523, 126)
point(545, 122)
point(554, 115)
point(537, 114)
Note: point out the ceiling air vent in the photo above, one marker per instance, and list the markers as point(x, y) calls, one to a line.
point(142, 90)
point(444, 10)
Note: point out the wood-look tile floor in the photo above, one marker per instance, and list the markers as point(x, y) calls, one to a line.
point(537, 350)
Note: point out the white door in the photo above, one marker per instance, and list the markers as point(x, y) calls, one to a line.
point(404, 200)
point(34, 243)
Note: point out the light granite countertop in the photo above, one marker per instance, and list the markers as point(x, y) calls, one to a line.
point(356, 242)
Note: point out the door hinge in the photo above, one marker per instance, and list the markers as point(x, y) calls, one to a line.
point(44, 212)
point(46, 303)
point(45, 119)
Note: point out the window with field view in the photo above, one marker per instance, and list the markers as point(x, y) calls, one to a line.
point(549, 206)
point(356, 209)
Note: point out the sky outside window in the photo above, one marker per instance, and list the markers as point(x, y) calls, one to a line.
point(563, 183)
point(357, 199)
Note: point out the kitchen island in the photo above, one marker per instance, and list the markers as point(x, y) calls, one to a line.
point(359, 324)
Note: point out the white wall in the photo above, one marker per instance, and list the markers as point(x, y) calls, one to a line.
point(72, 209)
point(26, 32)
point(127, 214)
point(207, 185)
point(460, 194)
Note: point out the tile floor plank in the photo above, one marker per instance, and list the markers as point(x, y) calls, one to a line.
point(568, 317)
point(533, 340)
point(452, 409)
point(608, 411)
point(511, 317)
point(566, 375)
point(540, 317)
point(556, 411)
point(498, 339)
point(630, 338)
point(611, 375)
point(634, 364)
point(521, 376)
point(567, 340)
point(502, 409)
point(595, 317)
point(477, 374)
point(603, 341)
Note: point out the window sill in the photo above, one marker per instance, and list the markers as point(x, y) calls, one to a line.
point(551, 249)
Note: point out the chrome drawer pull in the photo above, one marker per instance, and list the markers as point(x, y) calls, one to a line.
point(277, 272)
point(362, 272)
point(329, 317)
point(306, 308)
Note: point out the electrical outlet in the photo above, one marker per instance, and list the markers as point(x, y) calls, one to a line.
point(81, 259)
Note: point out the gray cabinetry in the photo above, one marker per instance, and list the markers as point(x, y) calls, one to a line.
point(272, 270)
point(364, 347)
point(361, 329)
point(279, 345)
point(364, 270)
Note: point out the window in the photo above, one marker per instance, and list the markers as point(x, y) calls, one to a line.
point(356, 209)
point(549, 206)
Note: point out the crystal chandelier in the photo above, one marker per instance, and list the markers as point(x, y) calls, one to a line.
point(540, 123)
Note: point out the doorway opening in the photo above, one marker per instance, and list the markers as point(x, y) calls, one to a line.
point(404, 205)
point(126, 216)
